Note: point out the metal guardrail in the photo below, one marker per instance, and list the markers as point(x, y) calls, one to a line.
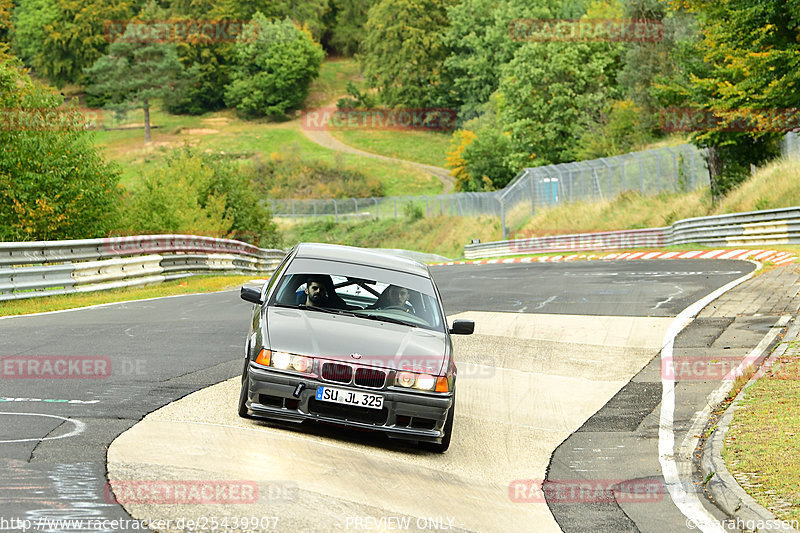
point(46, 268)
point(755, 228)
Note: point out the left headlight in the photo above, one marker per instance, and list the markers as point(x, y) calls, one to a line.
point(424, 382)
point(285, 361)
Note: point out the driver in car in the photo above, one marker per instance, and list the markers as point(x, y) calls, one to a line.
point(395, 297)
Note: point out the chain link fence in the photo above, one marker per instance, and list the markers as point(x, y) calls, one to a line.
point(667, 169)
point(664, 169)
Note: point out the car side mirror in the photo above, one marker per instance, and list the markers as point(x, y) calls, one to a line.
point(462, 327)
point(251, 294)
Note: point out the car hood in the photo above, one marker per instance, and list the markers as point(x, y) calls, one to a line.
point(336, 337)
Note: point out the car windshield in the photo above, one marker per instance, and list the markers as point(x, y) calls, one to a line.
point(385, 295)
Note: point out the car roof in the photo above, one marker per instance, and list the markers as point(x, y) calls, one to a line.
point(361, 256)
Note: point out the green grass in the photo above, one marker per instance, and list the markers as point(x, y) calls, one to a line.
point(332, 81)
point(443, 235)
point(189, 285)
point(763, 442)
point(425, 147)
point(223, 132)
point(772, 186)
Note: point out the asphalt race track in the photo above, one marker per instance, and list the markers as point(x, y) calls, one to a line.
point(554, 344)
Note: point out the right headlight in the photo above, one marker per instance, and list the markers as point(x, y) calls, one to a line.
point(424, 382)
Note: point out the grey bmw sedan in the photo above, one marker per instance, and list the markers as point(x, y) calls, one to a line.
point(352, 337)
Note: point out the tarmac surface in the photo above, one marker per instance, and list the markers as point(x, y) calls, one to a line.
point(555, 345)
point(624, 435)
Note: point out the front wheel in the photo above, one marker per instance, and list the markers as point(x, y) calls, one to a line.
point(448, 431)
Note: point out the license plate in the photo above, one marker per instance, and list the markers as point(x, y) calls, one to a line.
point(350, 397)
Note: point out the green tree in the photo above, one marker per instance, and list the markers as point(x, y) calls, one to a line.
point(478, 152)
point(308, 13)
point(403, 50)
point(549, 92)
point(208, 69)
point(31, 17)
point(750, 65)
point(6, 25)
point(350, 17)
point(480, 40)
point(54, 184)
point(275, 65)
point(484, 160)
point(73, 40)
point(133, 73)
point(621, 130)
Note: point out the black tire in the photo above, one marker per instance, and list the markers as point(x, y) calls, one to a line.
point(243, 412)
point(448, 432)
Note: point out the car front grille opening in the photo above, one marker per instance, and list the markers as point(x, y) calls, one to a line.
point(369, 377)
point(272, 401)
point(423, 423)
point(337, 372)
point(402, 420)
point(291, 403)
point(347, 412)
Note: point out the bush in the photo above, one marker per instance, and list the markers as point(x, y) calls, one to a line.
point(54, 184)
point(292, 177)
point(620, 131)
point(200, 194)
point(275, 65)
point(484, 160)
point(478, 154)
point(356, 99)
point(413, 211)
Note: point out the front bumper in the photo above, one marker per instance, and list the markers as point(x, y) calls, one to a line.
point(405, 415)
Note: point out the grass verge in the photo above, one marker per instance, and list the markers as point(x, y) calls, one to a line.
point(194, 284)
point(762, 446)
point(771, 187)
point(425, 147)
point(443, 235)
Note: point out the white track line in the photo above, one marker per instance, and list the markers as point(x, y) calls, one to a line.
point(688, 502)
point(79, 428)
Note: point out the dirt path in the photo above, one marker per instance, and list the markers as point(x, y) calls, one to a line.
point(323, 138)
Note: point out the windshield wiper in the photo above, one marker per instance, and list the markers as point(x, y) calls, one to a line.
point(387, 319)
